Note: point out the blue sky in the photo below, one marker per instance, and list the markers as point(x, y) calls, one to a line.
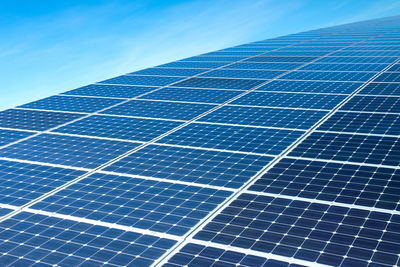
point(48, 47)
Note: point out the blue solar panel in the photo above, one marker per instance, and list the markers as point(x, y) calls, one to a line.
point(192, 95)
point(373, 123)
point(303, 230)
point(5, 211)
point(381, 89)
point(119, 127)
point(265, 141)
point(122, 91)
point(311, 87)
point(168, 72)
point(198, 255)
point(34, 119)
point(356, 60)
point(226, 169)
point(9, 136)
point(373, 104)
point(232, 53)
point(329, 76)
point(348, 147)
point(252, 74)
point(199, 65)
point(344, 67)
point(388, 77)
point(67, 150)
point(268, 117)
point(237, 84)
point(226, 59)
point(143, 80)
point(33, 239)
point(338, 182)
point(263, 66)
point(291, 53)
point(292, 100)
point(146, 204)
point(280, 59)
point(72, 103)
point(21, 183)
point(158, 109)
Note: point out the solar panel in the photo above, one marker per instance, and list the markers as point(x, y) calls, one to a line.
point(281, 152)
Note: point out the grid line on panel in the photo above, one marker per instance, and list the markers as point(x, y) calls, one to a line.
point(287, 151)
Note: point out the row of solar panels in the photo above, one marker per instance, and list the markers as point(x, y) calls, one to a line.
point(121, 172)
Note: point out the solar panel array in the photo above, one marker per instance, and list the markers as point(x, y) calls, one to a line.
point(282, 152)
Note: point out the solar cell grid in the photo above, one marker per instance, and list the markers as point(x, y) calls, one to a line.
point(344, 67)
point(329, 76)
point(290, 100)
point(388, 77)
point(159, 109)
point(9, 136)
point(373, 104)
point(143, 80)
point(215, 59)
point(280, 59)
point(122, 91)
point(344, 183)
point(324, 234)
point(226, 169)
point(192, 95)
point(394, 68)
point(219, 83)
point(72, 103)
point(263, 66)
point(333, 59)
point(268, 117)
point(235, 138)
point(248, 74)
point(198, 255)
point(369, 123)
point(119, 127)
point(145, 204)
point(350, 147)
point(34, 239)
point(168, 72)
point(195, 65)
point(311, 87)
point(67, 150)
point(21, 183)
point(232, 53)
point(381, 89)
point(34, 120)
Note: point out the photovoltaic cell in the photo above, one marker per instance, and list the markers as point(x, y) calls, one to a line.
point(158, 109)
point(227, 169)
point(67, 150)
point(388, 77)
point(268, 117)
point(105, 90)
point(381, 89)
point(236, 138)
point(329, 76)
point(143, 80)
point(192, 95)
point(325, 234)
point(200, 65)
point(344, 183)
point(198, 255)
point(348, 147)
point(291, 100)
point(280, 59)
point(311, 87)
point(352, 122)
point(34, 120)
point(251, 74)
point(5, 211)
point(373, 104)
point(146, 204)
point(263, 66)
point(226, 59)
point(21, 183)
point(32, 239)
point(9, 136)
point(168, 72)
point(72, 103)
point(344, 67)
point(216, 83)
point(119, 127)
point(357, 60)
